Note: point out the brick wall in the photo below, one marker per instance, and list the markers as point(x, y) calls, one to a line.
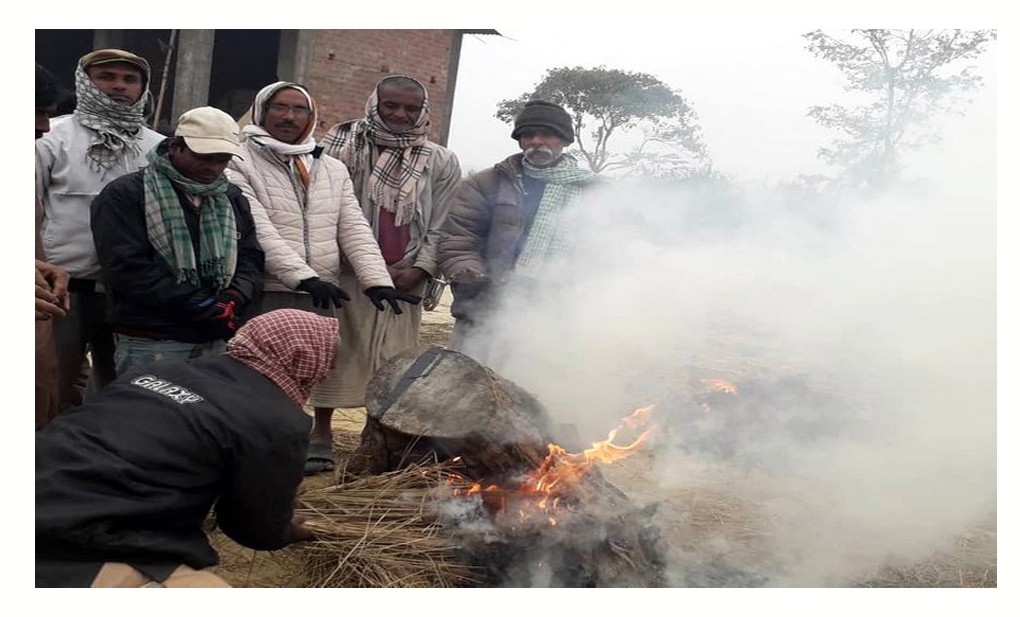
point(344, 66)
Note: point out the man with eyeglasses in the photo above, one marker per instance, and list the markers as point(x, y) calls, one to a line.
point(103, 139)
point(310, 225)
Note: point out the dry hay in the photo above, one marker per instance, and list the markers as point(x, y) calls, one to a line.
point(344, 444)
point(715, 539)
point(724, 529)
point(377, 531)
point(701, 515)
point(713, 522)
point(721, 532)
point(971, 562)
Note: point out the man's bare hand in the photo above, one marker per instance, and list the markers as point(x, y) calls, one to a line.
point(407, 279)
point(298, 532)
point(468, 276)
point(51, 297)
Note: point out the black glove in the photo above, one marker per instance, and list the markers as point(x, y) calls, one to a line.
point(323, 293)
point(378, 294)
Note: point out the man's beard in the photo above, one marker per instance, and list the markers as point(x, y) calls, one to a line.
point(540, 156)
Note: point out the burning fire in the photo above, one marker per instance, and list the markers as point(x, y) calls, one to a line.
point(721, 385)
point(542, 490)
point(717, 385)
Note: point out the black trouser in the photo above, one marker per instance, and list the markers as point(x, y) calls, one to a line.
point(83, 330)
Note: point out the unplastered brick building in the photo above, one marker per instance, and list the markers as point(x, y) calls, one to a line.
point(225, 68)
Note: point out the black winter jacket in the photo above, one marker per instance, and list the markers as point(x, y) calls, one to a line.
point(131, 475)
point(144, 298)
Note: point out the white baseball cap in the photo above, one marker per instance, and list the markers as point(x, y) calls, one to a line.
point(208, 130)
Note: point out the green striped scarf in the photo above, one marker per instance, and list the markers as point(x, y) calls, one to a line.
point(168, 230)
point(562, 188)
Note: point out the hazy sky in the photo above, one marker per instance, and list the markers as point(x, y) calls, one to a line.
point(750, 87)
point(895, 302)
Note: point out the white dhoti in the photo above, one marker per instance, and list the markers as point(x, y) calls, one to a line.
point(369, 337)
point(323, 393)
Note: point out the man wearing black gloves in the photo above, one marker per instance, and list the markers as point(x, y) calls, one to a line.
point(311, 227)
point(177, 246)
point(404, 182)
point(124, 484)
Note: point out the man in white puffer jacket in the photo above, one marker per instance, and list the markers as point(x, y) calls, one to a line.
point(310, 226)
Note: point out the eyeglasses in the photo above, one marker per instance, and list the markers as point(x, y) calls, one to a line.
point(280, 108)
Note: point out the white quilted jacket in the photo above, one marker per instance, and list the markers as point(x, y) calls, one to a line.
point(303, 237)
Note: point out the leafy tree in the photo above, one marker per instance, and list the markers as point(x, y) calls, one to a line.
point(905, 77)
point(605, 103)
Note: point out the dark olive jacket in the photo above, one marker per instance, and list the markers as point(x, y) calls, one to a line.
point(485, 230)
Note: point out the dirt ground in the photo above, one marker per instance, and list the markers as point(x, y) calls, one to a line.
point(704, 523)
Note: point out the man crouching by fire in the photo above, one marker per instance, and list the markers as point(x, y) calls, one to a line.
point(124, 483)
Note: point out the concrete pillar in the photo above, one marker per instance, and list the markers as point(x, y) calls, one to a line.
point(456, 40)
point(194, 69)
point(294, 56)
point(108, 39)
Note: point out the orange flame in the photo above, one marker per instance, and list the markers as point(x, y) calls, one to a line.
point(721, 385)
point(562, 469)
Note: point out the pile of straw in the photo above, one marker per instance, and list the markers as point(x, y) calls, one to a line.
point(378, 531)
point(972, 562)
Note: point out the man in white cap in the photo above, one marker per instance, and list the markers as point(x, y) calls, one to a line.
point(104, 138)
point(178, 247)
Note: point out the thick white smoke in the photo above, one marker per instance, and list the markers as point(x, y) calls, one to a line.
point(860, 331)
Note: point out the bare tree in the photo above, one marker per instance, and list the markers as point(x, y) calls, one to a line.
point(905, 77)
point(607, 102)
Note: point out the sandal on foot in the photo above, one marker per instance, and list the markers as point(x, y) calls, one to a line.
point(319, 458)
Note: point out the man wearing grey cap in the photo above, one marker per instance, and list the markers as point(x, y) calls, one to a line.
point(178, 248)
point(104, 138)
point(507, 218)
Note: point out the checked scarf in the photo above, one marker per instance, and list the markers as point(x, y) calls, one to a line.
point(291, 347)
point(115, 125)
point(168, 231)
point(562, 188)
point(393, 183)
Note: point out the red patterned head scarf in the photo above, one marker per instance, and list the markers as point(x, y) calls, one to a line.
point(292, 348)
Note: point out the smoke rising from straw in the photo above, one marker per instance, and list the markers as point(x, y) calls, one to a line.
point(865, 327)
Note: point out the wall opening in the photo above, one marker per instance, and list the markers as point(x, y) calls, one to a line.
point(244, 61)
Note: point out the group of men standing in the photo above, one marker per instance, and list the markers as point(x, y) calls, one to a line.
point(152, 248)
